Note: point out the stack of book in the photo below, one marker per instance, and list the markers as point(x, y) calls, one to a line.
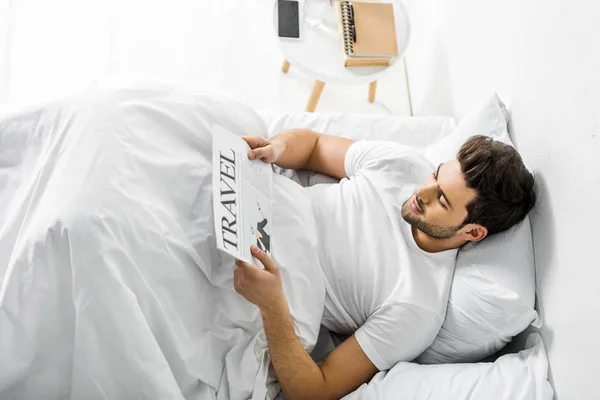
point(368, 32)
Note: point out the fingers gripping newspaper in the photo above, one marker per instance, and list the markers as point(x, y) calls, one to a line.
point(242, 193)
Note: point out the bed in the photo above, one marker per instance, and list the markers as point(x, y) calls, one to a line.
point(111, 283)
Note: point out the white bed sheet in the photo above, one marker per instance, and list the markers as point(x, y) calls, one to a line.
point(111, 284)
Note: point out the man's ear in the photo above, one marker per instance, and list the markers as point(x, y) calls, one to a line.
point(473, 232)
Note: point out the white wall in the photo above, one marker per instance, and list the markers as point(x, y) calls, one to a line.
point(543, 58)
point(4, 48)
point(52, 47)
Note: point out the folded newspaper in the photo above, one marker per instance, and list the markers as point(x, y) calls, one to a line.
point(242, 191)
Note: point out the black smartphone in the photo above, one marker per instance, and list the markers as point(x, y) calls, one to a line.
point(288, 19)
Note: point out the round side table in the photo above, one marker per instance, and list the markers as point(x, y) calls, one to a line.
point(318, 53)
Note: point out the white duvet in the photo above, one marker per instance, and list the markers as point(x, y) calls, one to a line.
point(111, 285)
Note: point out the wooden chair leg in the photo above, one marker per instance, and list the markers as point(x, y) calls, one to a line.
point(372, 90)
point(314, 96)
point(286, 66)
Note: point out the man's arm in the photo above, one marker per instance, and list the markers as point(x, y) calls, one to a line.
point(342, 372)
point(344, 369)
point(302, 149)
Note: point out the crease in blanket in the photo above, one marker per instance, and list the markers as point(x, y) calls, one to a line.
point(262, 384)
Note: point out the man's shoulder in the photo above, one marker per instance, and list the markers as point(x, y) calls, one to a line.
point(425, 312)
point(386, 148)
point(425, 299)
point(390, 156)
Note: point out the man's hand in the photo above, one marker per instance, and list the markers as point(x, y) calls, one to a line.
point(344, 370)
point(302, 149)
point(264, 149)
point(260, 287)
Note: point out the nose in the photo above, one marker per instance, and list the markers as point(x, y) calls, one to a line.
point(427, 192)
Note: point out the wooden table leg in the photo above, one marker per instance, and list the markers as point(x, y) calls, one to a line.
point(314, 96)
point(372, 90)
point(286, 66)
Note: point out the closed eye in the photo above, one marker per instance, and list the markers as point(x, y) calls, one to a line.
point(440, 193)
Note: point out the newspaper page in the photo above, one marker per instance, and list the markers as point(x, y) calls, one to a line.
point(242, 191)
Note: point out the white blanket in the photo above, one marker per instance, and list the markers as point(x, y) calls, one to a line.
point(111, 285)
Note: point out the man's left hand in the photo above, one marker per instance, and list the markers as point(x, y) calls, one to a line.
point(261, 287)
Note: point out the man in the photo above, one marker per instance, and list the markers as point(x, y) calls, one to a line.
point(387, 248)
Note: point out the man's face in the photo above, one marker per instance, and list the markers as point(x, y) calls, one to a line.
point(439, 207)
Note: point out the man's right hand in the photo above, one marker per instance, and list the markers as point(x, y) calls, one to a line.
point(264, 149)
point(302, 149)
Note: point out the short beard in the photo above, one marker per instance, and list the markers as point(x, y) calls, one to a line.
point(435, 231)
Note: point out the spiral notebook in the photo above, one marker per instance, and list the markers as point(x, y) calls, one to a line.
point(369, 33)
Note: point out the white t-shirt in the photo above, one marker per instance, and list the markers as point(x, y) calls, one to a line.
point(380, 285)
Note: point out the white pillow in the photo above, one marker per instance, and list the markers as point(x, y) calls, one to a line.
point(491, 298)
point(493, 291)
point(522, 376)
point(417, 132)
point(489, 120)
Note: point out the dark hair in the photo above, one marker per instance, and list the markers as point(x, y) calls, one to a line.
point(504, 186)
